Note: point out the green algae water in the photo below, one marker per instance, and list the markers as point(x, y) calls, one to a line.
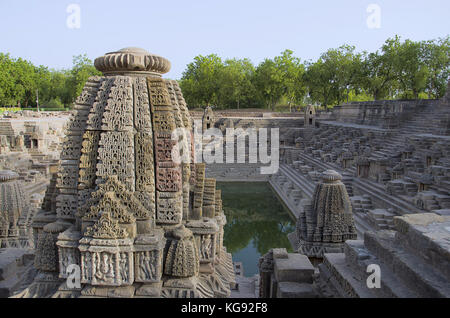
point(256, 222)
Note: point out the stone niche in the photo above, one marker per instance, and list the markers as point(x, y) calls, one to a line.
point(205, 234)
point(148, 258)
point(106, 254)
point(208, 119)
point(68, 251)
point(310, 116)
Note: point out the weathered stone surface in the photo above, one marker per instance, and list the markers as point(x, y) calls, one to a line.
point(280, 253)
point(149, 290)
point(295, 290)
point(295, 268)
point(15, 267)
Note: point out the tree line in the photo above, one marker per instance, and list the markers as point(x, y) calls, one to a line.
point(398, 70)
point(21, 82)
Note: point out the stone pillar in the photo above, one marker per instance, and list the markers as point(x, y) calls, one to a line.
point(208, 119)
point(209, 196)
point(265, 266)
point(198, 191)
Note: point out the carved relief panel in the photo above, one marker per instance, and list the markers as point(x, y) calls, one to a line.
point(148, 266)
point(116, 157)
point(207, 247)
point(170, 208)
point(106, 268)
point(67, 256)
point(168, 177)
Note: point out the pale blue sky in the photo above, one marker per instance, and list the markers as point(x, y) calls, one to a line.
point(181, 29)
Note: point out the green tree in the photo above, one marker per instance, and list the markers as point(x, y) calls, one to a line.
point(378, 75)
point(82, 69)
point(200, 81)
point(60, 87)
point(411, 70)
point(236, 83)
point(349, 71)
point(6, 79)
point(322, 79)
point(436, 55)
point(268, 80)
point(25, 82)
point(292, 76)
point(42, 78)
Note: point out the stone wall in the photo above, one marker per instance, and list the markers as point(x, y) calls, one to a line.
point(384, 113)
point(246, 113)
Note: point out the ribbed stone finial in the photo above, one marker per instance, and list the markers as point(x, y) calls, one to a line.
point(132, 61)
point(331, 176)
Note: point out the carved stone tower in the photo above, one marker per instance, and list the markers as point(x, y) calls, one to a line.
point(137, 222)
point(310, 116)
point(327, 223)
point(15, 212)
point(208, 119)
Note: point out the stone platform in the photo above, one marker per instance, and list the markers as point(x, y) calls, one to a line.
point(414, 261)
point(15, 270)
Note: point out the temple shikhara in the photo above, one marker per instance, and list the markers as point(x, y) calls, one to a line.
point(135, 222)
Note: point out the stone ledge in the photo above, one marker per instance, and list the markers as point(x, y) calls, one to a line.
point(295, 290)
point(296, 268)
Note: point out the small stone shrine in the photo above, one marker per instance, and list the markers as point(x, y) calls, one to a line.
point(325, 224)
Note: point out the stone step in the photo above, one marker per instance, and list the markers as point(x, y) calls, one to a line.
point(38, 187)
point(318, 163)
point(294, 210)
point(13, 262)
point(429, 243)
point(361, 224)
point(367, 186)
point(359, 258)
point(338, 273)
point(305, 185)
point(378, 194)
point(410, 269)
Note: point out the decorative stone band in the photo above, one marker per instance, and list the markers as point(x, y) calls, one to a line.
point(319, 249)
point(7, 175)
point(132, 61)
